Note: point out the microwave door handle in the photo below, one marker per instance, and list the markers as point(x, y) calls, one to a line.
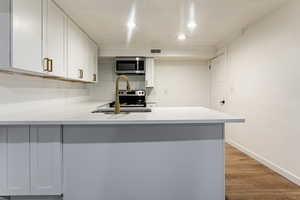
point(137, 65)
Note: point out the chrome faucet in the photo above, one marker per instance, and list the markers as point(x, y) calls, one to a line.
point(117, 100)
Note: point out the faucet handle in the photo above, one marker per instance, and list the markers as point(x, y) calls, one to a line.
point(128, 88)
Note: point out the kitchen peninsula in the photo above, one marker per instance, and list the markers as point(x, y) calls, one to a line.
point(169, 154)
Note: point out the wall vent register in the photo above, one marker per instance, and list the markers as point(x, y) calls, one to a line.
point(155, 51)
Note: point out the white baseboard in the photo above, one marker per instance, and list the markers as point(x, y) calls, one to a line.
point(285, 173)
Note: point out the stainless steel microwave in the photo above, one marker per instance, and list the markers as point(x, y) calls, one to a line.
point(130, 65)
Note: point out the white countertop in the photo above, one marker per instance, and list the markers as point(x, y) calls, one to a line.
point(79, 113)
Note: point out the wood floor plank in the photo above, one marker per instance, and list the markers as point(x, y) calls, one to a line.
point(246, 179)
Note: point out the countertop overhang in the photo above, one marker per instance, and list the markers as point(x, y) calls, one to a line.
point(80, 114)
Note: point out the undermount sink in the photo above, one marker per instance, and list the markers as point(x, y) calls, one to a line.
point(123, 110)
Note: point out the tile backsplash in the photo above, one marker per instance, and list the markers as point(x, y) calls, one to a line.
point(16, 88)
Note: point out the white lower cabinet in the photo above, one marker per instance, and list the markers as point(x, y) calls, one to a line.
point(31, 160)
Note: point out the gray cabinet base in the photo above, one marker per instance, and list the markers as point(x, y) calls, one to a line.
point(145, 162)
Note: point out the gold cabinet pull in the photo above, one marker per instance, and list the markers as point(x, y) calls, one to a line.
point(81, 73)
point(94, 77)
point(50, 65)
point(46, 64)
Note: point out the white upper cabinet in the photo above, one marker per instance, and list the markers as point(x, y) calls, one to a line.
point(37, 37)
point(82, 55)
point(85, 51)
point(21, 35)
point(92, 61)
point(150, 70)
point(27, 35)
point(54, 40)
point(75, 45)
point(5, 33)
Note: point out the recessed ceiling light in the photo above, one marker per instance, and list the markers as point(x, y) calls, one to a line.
point(181, 37)
point(131, 25)
point(192, 25)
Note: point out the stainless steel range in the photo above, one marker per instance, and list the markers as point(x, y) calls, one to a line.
point(134, 98)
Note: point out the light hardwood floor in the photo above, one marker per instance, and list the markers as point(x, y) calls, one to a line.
point(246, 179)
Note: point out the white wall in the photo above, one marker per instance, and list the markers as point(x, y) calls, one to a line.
point(263, 73)
point(23, 89)
point(177, 83)
point(181, 83)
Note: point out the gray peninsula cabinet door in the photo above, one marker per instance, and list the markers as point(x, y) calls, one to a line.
point(14, 145)
point(46, 160)
point(30, 160)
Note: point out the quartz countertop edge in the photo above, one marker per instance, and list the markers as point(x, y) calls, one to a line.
point(80, 114)
point(112, 122)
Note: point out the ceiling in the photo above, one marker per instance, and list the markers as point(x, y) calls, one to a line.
point(158, 22)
